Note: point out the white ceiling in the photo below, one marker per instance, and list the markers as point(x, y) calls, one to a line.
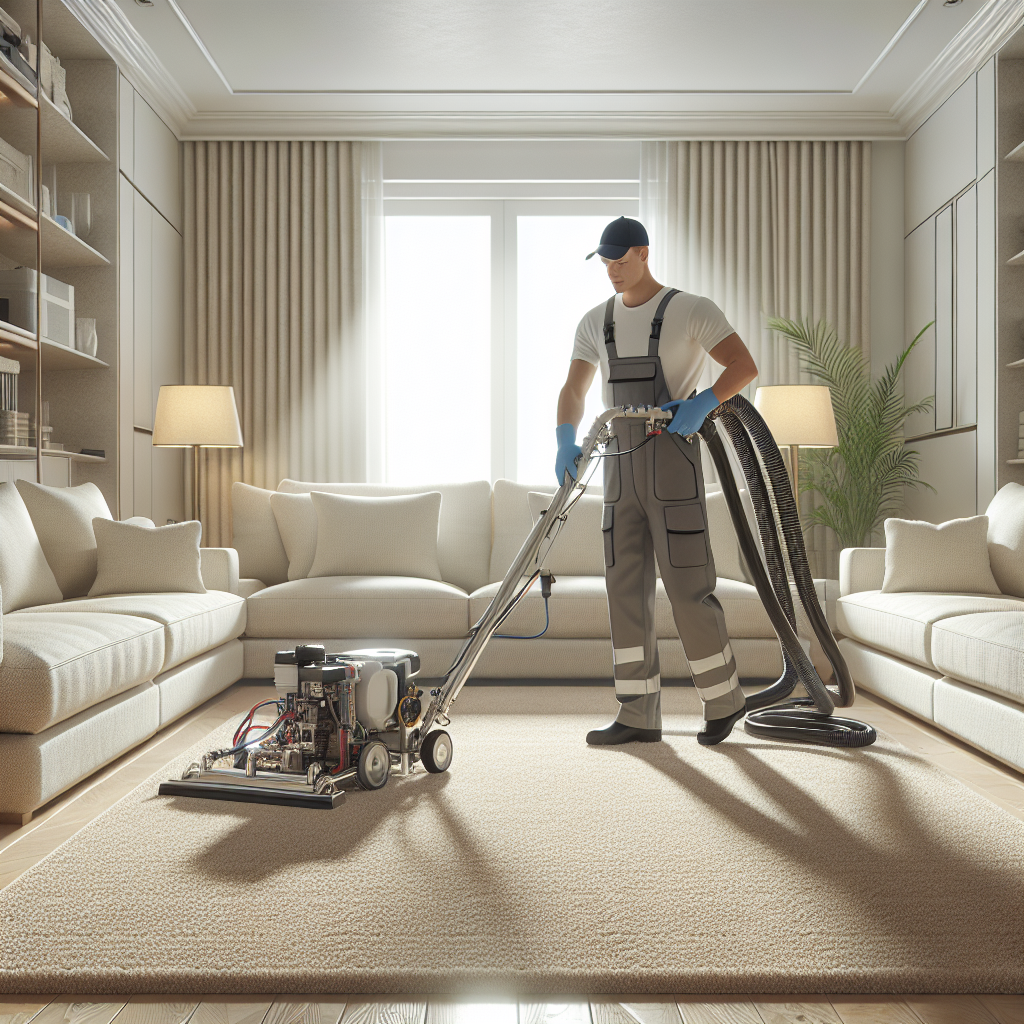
point(576, 67)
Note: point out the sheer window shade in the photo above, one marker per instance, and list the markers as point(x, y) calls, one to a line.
point(283, 249)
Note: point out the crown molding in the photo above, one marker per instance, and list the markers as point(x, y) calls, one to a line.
point(475, 124)
point(967, 51)
point(136, 60)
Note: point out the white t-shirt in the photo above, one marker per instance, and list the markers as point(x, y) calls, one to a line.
point(693, 326)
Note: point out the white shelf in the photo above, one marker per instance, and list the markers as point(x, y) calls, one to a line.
point(17, 451)
point(1016, 261)
point(1015, 364)
point(18, 344)
point(1016, 154)
point(1015, 462)
point(63, 141)
point(61, 248)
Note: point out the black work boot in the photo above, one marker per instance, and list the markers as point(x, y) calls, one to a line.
point(619, 733)
point(717, 729)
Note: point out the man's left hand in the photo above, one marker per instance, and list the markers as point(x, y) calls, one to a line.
point(690, 413)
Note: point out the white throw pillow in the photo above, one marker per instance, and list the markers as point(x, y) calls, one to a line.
point(26, 578)
point(296, 524)
point(362, 536)
point(255, 535)
point(63, 519)
point(147, 560)
point(1006, 539)
point(951, 558)
point(578, 548)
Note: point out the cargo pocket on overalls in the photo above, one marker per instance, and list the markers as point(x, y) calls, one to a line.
point(687, 538)
point(674, 475)
point(606, 532)
point(612, 472)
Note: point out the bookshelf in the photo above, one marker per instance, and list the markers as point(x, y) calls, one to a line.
point(68, 154)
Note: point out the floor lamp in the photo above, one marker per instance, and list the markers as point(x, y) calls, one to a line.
point(196, 416)
point(799, 416)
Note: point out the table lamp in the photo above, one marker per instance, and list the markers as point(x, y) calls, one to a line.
point(798, 415)
point(196, 416)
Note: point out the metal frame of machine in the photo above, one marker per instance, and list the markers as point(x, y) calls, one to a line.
point(355, 717)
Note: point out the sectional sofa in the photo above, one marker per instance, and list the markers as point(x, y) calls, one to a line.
point(82, 680)
point(953, 659)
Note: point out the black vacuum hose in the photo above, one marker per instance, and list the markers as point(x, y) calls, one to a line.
point(805, 720)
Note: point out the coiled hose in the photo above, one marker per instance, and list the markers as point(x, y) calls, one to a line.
point(808, 720)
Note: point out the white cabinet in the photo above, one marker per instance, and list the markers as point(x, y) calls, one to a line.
point(152, 483)
point(941, 158)
point(986, 371)
point(965, 359)
point(919, 309)
point(944, 318)
point(156, 169)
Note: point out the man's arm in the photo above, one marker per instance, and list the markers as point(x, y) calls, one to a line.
point(573, 396)
point(740, 368)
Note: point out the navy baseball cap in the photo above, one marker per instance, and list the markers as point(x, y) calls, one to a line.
point(619, 237)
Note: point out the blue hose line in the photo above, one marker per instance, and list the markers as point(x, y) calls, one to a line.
point(547, 622)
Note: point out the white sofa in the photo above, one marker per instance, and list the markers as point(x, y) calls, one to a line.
point(83, 680)
point(480, 530)
point(956, 660)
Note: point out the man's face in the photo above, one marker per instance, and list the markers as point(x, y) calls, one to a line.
point(628, 271)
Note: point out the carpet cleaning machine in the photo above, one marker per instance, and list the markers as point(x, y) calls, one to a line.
point(359, 716)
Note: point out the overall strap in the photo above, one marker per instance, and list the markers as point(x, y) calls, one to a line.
point(659, 318)
point(609, 328)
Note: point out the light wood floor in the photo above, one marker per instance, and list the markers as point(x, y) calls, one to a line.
point(21, 848)
point(606, 1010)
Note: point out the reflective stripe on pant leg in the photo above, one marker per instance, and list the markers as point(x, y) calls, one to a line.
point(631, 580)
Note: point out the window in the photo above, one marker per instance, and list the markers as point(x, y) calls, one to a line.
point(483, 300)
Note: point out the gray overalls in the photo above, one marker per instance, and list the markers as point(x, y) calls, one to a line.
point(654, 505)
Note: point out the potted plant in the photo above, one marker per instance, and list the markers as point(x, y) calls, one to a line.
point(861, 481)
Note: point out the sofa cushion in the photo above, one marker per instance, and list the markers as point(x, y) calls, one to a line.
point(63, 519)
point(985, 649)
point(296, 523)
point(25, 576)
point(578, 549)
point(579, 609)
point(950, 558)
point(147, 560)
point(902, 623)
point(359, 606)
point(255, 536)
point(192, 623)
point(1006, 538)
point(463, 531)
point(513, 521)
point(382, 535)
point(55, 666)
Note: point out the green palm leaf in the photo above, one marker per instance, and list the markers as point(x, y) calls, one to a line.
point(861, 481)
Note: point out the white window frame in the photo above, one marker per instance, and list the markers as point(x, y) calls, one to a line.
point(504, 293)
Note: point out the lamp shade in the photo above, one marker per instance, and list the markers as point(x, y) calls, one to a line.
point(196, 414)
point(799, 414)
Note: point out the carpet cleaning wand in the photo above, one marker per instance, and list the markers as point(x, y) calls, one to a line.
point(808, 720)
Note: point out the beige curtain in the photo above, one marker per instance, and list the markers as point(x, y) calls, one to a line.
point(280, 254)
point(766, 229)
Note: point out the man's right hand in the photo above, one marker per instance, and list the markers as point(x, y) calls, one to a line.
point(568, 452)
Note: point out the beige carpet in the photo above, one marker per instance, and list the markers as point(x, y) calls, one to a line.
point(539, 865)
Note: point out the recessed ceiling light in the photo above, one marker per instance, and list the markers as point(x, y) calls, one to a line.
point(945, 3)
point(149, 3)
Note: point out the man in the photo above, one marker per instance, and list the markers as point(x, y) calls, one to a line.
point(650, 343)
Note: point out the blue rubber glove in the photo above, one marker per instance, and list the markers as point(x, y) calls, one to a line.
point(568, 452)
point(691, 412)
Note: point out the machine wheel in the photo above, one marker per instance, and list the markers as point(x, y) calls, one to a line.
point(436, 752)
point(374, 768)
